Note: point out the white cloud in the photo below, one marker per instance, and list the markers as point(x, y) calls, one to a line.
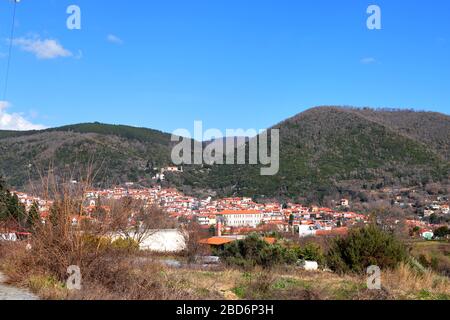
point(15, 121)
point(42, 49)
point(368, 60)
point(114, 39)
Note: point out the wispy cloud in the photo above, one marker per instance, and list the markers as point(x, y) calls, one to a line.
point(15, 121)
point(368, 60)
point(42, 48)
point(114, 39)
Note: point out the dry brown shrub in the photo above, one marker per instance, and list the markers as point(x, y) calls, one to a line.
point(405, 281)
point(107, 272)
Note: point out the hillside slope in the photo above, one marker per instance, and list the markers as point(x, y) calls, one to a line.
point(327, 149)
point(121, 153)
point(430, 128)
point(323, 150)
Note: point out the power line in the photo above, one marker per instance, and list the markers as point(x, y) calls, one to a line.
point(11, 38)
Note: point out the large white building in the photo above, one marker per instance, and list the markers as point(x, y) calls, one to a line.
point(163, 241)
point(242, 218)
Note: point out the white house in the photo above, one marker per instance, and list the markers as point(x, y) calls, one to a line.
point(205, 220)
point(172, 169)
point(11, 237)
point(427, 234)
point(242, 218)
point(428, 213)
point(306, 231)
point(345, 203)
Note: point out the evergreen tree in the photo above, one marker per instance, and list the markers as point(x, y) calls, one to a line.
point(291, 220)
point(3, 207)
point(33, 218)
point(16, 210)
point(11, 210)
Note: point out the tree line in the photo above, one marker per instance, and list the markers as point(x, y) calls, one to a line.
point(13, 214)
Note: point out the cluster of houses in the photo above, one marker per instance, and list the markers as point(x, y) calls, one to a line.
point(28, 201)
point(236, 215)
point(161, 173)
point(230, 216)
point(436, 207)
point(407, 198)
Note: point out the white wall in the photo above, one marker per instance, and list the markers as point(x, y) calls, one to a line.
point(164, 241)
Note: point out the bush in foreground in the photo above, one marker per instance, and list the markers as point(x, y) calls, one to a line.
point(365, 247)
point(254, 251)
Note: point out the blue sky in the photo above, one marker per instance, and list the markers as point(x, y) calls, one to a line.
point(231, 64)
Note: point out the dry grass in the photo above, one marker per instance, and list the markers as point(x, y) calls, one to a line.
point(112, 280)
point(125, 280)
point(407, 283)
point(433, 254)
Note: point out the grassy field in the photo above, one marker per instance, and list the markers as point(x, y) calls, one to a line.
point(232, 284)
point(123, 275)
point(433, 254)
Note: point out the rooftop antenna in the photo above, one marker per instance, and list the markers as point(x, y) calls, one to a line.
point(11, 39)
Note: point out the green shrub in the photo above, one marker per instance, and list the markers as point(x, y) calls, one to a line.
point(441, 232)
point(103, 243)
point(92, 242)
point(254, 251)
point(125, 244)
point(311, 252)
point(365, 247)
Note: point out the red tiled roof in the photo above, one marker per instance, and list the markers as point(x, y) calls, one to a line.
point(232, 212)
point(270, 240)
point(216, 241)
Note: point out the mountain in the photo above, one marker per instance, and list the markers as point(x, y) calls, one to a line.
point(119, 153)
point(429, 128)
point(326, 150)
point(322, 150)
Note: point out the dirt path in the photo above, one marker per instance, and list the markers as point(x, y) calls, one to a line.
point(11, 293)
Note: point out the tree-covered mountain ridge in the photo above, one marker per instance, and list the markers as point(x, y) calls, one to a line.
point(321, 149)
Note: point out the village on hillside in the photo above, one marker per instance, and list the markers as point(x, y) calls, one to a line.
point(229, 219)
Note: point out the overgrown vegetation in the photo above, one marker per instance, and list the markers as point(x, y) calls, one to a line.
point(254, 251)
point(434, 255)
point(362, 248)
point(106, 250)
point(365, 247)
point(13, 215)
